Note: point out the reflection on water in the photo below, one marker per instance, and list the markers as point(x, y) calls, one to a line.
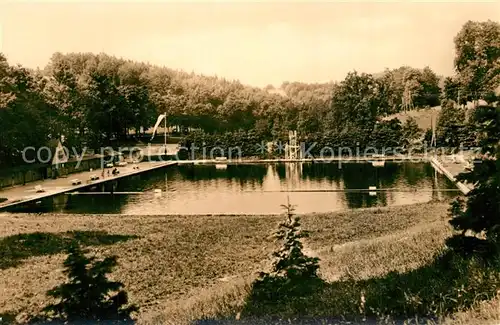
point(261, 188)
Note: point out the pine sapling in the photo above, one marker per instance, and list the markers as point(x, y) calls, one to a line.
point(294, 275)
point(290, 260)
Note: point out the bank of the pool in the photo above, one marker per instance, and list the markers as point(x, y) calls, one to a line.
point(164, 260)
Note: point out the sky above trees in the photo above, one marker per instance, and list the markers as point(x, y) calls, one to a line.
point(257, 43)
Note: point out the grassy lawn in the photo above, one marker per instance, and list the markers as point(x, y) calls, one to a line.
point(183, 268)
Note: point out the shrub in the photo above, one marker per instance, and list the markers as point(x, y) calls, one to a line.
point(478, 219)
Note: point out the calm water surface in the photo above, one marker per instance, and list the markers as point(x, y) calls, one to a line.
point(261, 189)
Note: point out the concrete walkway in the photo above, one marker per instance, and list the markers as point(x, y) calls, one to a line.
point(26, 193)
point(451, 167)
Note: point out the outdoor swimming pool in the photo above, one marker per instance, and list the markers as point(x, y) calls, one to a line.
point(260, 189)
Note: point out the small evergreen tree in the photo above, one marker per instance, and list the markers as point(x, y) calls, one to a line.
point(290, 261)
point(480, 215)
point(294, 275)
point(87, 294)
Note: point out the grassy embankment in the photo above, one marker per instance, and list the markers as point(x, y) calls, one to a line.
point(423, 116)
point(179, 269)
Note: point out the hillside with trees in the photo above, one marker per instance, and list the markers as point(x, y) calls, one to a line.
point(97, 99)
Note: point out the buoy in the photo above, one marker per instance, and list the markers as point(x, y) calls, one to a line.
point(378, 163)
point(220, 166)
point(372, 189)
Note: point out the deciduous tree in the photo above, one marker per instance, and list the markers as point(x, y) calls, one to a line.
point(477, 60)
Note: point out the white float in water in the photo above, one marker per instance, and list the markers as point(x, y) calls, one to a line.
point(378, 163)
point(372, 189)
point(220, 166)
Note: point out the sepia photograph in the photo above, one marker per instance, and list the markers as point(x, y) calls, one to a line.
point(249, 162)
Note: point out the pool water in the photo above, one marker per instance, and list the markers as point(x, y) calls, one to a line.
point(260, 189)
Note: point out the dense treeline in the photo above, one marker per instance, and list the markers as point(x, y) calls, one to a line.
point(386, 137)
point(25, 116)
point(96, 100)
point(93, 100)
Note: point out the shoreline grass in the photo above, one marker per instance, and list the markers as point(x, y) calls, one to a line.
point(181, 268)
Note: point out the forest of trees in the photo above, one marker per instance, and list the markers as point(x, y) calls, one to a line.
point(94, 99)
